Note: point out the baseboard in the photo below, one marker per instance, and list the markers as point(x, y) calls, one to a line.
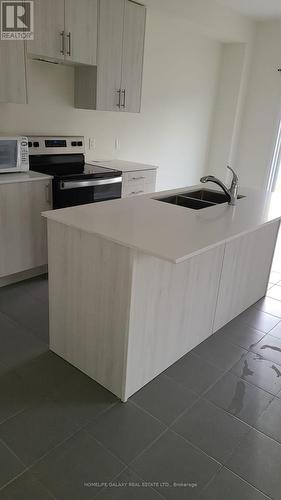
point(24, 275)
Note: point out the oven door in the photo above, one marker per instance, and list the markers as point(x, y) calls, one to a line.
point(68, 193)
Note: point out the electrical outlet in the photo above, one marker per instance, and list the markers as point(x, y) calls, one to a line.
point(92, 143)
point(117, 144)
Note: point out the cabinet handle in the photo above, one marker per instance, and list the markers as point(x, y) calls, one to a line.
point(62, 47)
point(137, 192)
point(48, 193)
point(137, 178)
point(119, 98)
point(124, 98)
point(69, 44)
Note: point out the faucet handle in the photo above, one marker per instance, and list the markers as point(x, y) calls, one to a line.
point(235, 176)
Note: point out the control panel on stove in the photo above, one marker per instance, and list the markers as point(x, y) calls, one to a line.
point(43, 145)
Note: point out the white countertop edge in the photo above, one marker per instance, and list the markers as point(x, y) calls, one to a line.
point(17, 177)
point(123, 165)
point(48, 215)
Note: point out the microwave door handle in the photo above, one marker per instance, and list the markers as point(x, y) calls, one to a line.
point(64, 185)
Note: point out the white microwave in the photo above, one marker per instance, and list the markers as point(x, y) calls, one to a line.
point(14, 155)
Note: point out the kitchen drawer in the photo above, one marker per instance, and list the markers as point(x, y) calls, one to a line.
point(146, 176)
point(139, 182)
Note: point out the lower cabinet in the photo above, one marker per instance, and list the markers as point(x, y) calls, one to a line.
point(138, 182)
point(22, 228)
point(13, 72)
point(245, 272)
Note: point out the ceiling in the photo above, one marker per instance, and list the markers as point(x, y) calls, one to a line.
point(259, 9)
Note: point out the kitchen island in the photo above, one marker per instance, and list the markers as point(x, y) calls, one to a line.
point(135, 284)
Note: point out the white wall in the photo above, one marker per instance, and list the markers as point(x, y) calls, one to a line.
point(262, 108)
point(225, 120)
point(180, 78)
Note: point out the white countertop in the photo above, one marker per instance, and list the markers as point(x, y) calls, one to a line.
point(122, 165)
point(23, 177)
point(172, 232)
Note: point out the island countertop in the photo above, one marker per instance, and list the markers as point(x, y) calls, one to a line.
point(167, 231)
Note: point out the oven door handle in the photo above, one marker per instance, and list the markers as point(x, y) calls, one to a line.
point(88, 183)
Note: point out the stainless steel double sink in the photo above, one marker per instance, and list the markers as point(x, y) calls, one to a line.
point(196, 200)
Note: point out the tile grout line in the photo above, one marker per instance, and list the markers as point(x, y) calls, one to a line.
point(29, 467)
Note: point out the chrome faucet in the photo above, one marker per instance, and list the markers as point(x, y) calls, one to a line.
point(231, 192)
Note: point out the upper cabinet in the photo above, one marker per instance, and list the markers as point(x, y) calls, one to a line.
point(117, 82)
point(110, 46)
point(13, 72)
point(81, 27)
point(132, 62)
point(65, 30)
point(49, 39)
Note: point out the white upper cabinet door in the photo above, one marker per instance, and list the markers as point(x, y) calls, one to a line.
point(133, 50)
point(48, 29)
point(81, 31)
point(110, 42)
point(13, 72)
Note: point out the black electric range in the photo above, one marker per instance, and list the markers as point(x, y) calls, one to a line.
point(75, 182)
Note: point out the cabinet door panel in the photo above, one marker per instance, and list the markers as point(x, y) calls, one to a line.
point(22, 228)
point(111, 20)
point(245, 273)
point(13, 72)
point(133, 48)
point(48, 26)
point(81, 22)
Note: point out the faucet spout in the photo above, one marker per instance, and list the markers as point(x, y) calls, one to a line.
point(231, 192)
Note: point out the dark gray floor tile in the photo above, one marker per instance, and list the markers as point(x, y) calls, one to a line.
point(211, 429)
point(240, 333)
point(47, 373)
point(276, 332)
point(25, 487)
point(194, 373)
point(258, 319)
point(17, 344)
point(239, 398)
point(274, 292)
point(10, 466)
point(270, 348)
point(34, 432)
point(171, 460)
point(257, 460)
point(126, 430)
point(83, 399)
point(220, 353)
point(228, 486)
point(13, 395)
point(128, 486)
point(77, 468)
point(164, 398)
point(25, 310)
point(270, 306)
point(259, 371)
point(269, 421)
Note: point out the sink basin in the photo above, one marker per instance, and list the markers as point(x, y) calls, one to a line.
point(201, 198)
point(183, 201)
point(207, 195)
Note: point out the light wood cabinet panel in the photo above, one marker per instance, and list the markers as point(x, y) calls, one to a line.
point(48, 29)
point(138, 182)
point(13, 72)
point(81, 21)
point(133, 49)
point(110, 43)
point(22, 228)
point(246, 268)
point(117, 84)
